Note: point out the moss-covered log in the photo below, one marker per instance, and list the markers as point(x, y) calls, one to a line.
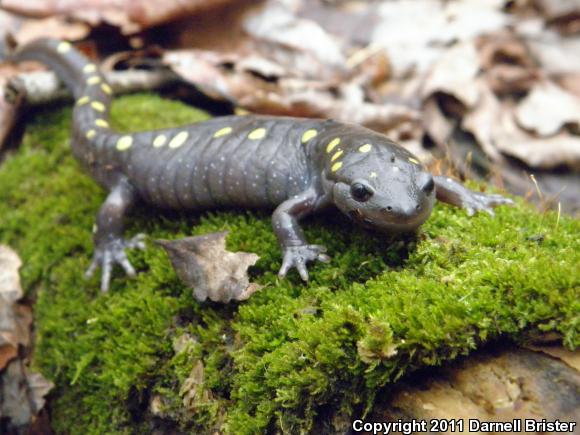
point(147, 354)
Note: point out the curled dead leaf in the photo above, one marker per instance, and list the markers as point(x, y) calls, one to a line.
point(275, 23)
point(438, 126)
point(562, 149)
point(204, 264)
point(10, 293)
point(21, 392)
point(261, 85)
point(416, 34)
point(51, 27)
point(482, 121)
point(130, 15)
point(556, 55)
point(8, 115)
point(569, 82)
point(547, 108)
point(22, 396)
point(454, 74)
point(508, 65)
point(494, 125)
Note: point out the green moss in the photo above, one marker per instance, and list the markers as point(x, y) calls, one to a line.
point(380, 309)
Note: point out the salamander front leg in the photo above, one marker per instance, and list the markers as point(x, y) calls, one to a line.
point(109, 242)
point(454, 193)
point(296, 250)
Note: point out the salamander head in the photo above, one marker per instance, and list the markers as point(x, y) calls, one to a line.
point(381, 186)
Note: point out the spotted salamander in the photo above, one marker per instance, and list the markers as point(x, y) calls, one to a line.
point(297, 167)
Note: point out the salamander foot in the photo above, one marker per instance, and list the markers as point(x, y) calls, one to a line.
point(298, 256)
point(111, 252)
point(477, 201)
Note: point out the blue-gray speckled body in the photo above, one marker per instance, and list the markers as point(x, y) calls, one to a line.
point(295, 166)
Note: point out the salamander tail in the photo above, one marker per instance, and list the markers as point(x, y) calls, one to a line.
point(89, 87)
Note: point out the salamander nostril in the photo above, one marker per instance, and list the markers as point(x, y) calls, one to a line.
point(418, 207)
point(428, 186)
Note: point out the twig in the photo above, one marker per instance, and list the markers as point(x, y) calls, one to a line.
point(39, 88)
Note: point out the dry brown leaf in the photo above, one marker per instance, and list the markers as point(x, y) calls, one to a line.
point(493, 125)
point(316, 104)
point(8, 115)
point(276, 24)
point(555, 54)
point(130, 15)
point(353, 22)
point(503, 47)
point(507, 63)
point(9, 23)
point(39, 387)
point(21, 392)
point(217, 74)
point(570, 82)
point(263, 86)
point(553, 9)
point(511, 80)
point(22, 396)
point(48, 8)
point(204, 264)
point(10, 293)
point(148, 13)
point(437, 125)
point(482, 120)
point(454, 74)
point(563, 15)
point(545, 153)
point(547, 108)
point(417, 33)
point(51, 27)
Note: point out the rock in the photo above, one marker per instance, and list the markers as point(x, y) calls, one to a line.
point(497, 385)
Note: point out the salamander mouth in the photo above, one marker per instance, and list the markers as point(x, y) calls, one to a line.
point(357, 216)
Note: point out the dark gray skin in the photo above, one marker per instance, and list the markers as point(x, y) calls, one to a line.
point(295, 166)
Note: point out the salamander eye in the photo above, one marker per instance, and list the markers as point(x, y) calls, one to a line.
point(360, 192)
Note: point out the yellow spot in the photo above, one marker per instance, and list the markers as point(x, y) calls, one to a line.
point(258, 133)
point(179, 139)
point(91, 134)
point(241, 112)
point(89, 68)
point(365, 148)
point(412, 160)
point(124, 143)
point(63, 47)
point(93, 80)
point(83, 100)
point(332, 144)
point(336, 155)
point(98, 106)
point(309, 134)
point(160, 141)
point(106, 89)
point(336, 166)
point(101, 123)
point(222, 132)
point(373, 175)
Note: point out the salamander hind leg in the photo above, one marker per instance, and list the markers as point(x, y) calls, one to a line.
point(454, 193)
point(108, 238)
